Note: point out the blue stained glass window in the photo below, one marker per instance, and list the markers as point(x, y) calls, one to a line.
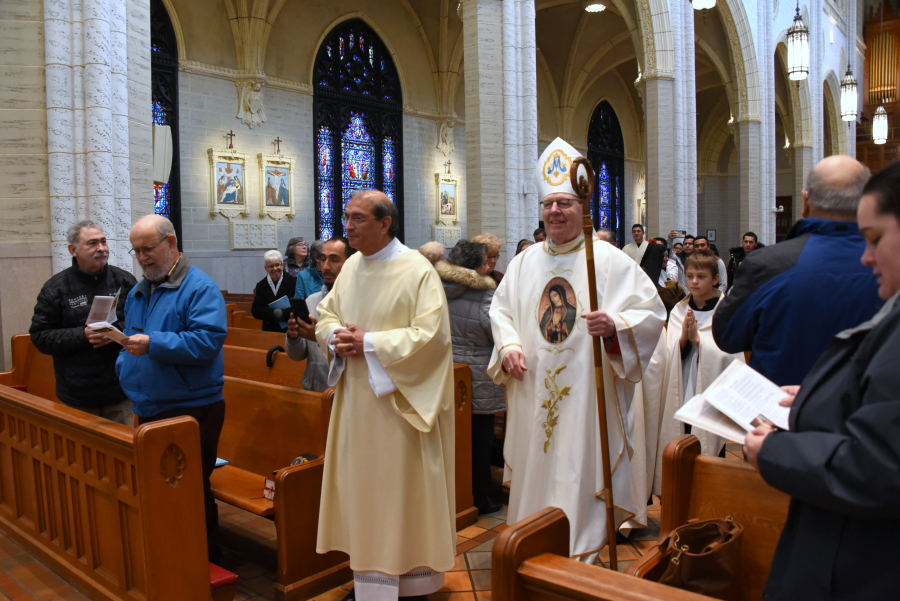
point(160, 114)
point(357, 158)
point(161, 201)
point(604, 189)
point(606, 154)
point(389, 166)
point(325, 174)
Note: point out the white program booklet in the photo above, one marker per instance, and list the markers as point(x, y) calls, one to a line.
point(107, 329)
point(736, 402)
point(103, 309)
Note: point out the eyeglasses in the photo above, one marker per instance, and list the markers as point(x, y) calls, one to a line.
point(562, 204)
point(274, 266)
point(345, 219)
point(493, 257)
point(134, 252)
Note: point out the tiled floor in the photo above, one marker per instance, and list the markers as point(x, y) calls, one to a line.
point(249, 551)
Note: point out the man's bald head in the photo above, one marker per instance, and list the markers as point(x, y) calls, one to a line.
point(155, 246)
point(834, 187)
point(381, 206)
point(153, 223)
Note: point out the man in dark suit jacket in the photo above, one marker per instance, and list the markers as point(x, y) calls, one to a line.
point(272, 287)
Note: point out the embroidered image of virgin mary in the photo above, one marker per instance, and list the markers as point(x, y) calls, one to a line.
point(559, 315)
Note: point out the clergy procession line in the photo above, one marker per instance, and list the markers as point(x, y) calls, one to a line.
point(579, 385)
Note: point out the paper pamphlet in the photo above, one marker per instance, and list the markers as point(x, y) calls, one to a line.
point(738, 400)
point(103, 309)
point(107, 329)
point(284, 304)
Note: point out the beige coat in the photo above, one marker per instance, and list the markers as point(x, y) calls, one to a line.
point(388, 490)
point(712, 362)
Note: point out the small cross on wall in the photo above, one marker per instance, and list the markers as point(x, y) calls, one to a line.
point(447, 165)
point(230, 135)
point(277, 142)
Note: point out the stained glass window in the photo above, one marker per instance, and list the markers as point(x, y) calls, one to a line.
point(164, 107)
point(358, 120)
point(606, 153)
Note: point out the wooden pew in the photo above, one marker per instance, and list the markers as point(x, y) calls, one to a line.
point(253, 338)
point(466, 512)
point(117, 513)
point(230, 309)
point(529, 559)
point(243, 319)
point(250, 364)
point(32, 371)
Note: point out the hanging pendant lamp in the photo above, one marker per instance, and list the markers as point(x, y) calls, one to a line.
point(703, 6)
point(880, 125)
point(798, 48)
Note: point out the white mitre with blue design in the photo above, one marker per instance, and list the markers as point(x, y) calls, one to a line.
point(554, 169)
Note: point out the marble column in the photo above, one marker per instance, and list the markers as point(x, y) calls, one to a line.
point(485, 156)
point(748, 147)
point(685, 109)
point(765, 51)
point(803, 162)
point(660, 153)
point(86, 60)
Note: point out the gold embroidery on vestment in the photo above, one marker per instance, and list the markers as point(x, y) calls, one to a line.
point(552, 403)
point(559, 271)
point(555, 351)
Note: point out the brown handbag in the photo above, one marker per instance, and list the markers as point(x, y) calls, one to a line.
point(704, 557)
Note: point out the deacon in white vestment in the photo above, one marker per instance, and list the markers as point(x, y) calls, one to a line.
point(543, 353)
point(388, 489)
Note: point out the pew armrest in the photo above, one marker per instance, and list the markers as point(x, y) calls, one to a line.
point(298, 490)
point(546, 531)
point(241, 488)
point(549, 576)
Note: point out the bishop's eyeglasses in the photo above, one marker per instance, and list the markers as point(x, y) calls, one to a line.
point(563, 204)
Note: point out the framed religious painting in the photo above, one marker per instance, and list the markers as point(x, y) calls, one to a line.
point(228, 182)
point(447, 209)
point(276, 196)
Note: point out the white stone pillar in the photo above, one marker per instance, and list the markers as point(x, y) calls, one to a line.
point(528, 119)
point(87, 125)
point(748, 147)
point(816, 79)
point(765, 51)
point(803, 163)
point(685, 120)
point(485, 159)
point(659, 151)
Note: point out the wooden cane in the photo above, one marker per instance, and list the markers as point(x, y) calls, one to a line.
point(585, 189)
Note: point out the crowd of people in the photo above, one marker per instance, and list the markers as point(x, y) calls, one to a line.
point(386, 324)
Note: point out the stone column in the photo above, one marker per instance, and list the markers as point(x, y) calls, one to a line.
point(748, 147)
point(765, 51)
point(485, 158)
point(685, 109)
point(87, 122)
point(660, 152)
point(803, 162)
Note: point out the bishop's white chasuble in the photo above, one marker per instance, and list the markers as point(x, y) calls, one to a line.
point(388, 497)
point(552, 449)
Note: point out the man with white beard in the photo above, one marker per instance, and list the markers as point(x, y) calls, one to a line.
point(84, 362)
point(171, 364)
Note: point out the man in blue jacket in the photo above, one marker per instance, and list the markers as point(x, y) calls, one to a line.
point(790, 299)
point(172, 365)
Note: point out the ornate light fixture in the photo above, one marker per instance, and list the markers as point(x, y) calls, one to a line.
point(880, 125)
point(848, 96)
point(798, 49)
point(703, 5)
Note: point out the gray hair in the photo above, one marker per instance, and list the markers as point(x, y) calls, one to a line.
point(383, 207)
point(841, 197)
point(271, 254)
point(315, 250)
point(165, 228)
point(74, 232)
point(610, 235)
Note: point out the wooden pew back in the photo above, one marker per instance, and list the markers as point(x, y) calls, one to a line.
point(697, 486)
point(32, 371)
point(253, 338)
point(466, 513)
point(267, 426)
point(243, 319)
point(250, 364)
point(118, 513)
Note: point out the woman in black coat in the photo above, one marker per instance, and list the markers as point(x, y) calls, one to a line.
point(840, 461)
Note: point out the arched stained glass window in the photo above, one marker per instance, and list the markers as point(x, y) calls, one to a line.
point(358, 123)
point(606, 152)
point(164, 98)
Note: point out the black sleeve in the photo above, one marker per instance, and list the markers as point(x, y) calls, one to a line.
point(652, 261)
point(47, 331)
point(260, 308)
point(856, 472)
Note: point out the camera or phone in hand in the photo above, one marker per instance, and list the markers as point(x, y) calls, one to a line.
point(298, 310)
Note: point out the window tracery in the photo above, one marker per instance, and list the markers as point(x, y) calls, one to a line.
point(606, 152)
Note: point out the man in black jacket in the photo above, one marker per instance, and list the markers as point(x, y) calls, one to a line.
point(749, 242)
point(276, 284)
point(84, 363)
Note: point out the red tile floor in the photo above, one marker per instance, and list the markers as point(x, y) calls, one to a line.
point(248, 545)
